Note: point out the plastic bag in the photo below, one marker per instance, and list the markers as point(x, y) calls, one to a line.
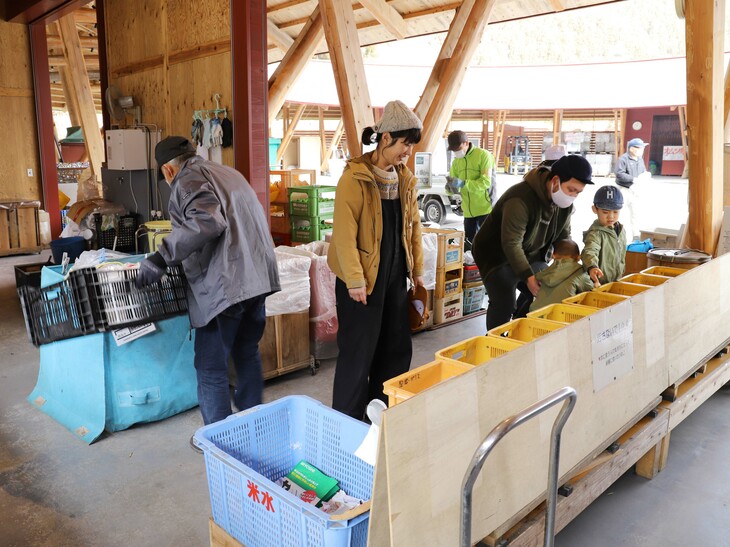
point(430, 252)
point(294, 280)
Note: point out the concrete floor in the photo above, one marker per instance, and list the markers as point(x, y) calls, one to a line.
point(145, 486)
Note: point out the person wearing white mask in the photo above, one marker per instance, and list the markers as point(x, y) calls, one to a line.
point(516, 239)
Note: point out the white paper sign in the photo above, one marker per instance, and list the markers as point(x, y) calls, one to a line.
point(612, 345)
point(127, 334)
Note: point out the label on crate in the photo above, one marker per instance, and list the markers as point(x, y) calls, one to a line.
point(451, 286)
point(452, 256)
point(127, 334)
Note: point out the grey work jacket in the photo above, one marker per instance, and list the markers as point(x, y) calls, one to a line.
point(221, 237)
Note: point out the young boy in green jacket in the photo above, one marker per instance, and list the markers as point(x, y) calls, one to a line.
point(564, 278)
point(604, 253)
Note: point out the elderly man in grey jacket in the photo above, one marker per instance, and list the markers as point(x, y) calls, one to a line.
point(221, 237)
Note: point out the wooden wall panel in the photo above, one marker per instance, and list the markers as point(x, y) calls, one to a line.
point(212, 75)
point(196, 23)
point(160, 53)
point(133, 31)
point(17, 110)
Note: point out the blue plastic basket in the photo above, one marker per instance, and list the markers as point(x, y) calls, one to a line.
point(248, 451)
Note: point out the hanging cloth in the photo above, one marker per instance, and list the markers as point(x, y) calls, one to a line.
point(227, 128)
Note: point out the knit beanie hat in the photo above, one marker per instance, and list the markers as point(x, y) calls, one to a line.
point(397, 117)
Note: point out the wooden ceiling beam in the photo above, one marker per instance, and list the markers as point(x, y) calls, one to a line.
point(79, 88)
point(705, 109)
point(289, 133)
point(60, 60)
point(87, 42)
point(295, 60)
point(437, 102)
point(85, 15)
point(278, 37)
point(333, 146)
point(387, 16)
point(352, 88)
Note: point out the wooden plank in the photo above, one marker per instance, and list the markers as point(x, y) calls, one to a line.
point(322, 137)
point(15, 92)
point(139, 66)
point(292, 65)
point(87, 42)
point(198, 52)
point(387, 16)
point(454, 70)
point(29, 235)
point(727, 95)
point(70, 99)
point(204, 21)
point(4, 230)
point(80, 87)
point(90, 60)
point(352, 88)
point(289, 133)
point(705, 121)
point(557, 125)
point(219, 537)
point(278, 37)
point(643, 437)
point(655, 460)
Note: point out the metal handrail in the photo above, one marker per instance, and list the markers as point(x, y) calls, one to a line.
point(567, 394)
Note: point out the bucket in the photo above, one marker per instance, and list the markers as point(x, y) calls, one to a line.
point(157, 230)
point(74, 246)
point(678, 258)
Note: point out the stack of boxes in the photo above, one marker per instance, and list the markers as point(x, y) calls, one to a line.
point(311, 209)
point(474, 291)
point(448, 298)
point(280, 182)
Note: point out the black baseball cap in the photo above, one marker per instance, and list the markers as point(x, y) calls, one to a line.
point(456, 139)
point(573, 167)
point(170, 148)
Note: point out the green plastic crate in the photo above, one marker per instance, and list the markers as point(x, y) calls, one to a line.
point(312, 201)
point(307, 229)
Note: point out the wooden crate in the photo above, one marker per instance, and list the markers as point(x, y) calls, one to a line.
point(289, 178)
point(19, 229)
point(284, 346)
point(448, 309)
point(635, 262)
point(448, 283)
point(450, 250)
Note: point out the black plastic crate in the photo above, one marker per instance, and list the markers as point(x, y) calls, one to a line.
point(59, 311)
point(124, 233)
point(118, 302)
point(30, 274)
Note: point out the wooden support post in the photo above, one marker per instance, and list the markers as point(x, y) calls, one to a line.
point(501, 118)
point(704, 20)
point(293, 63)
point(655, 460)
point(485, 129)
point(80, 88)
point(387, 16)
point(340, 32)
point(453, 72)
point(333, 146)
point(557, 125)
point(289, 133)
point(322, 136)
point(72, 105)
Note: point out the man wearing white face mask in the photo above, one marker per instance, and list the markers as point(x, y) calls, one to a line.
point(515, 239)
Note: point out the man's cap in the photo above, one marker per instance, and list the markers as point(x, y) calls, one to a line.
point(456, 139)
point(397, 117)
point(555, 152)
point(170, 148)
point(573, 167)
point(636, 142)
point(609, 198)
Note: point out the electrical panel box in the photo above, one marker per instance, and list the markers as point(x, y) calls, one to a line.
point(131, 149)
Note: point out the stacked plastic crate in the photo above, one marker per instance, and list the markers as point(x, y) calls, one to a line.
point(474, 290)
point(311, 209)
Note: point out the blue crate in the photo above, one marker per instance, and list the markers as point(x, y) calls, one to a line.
point(248, 451)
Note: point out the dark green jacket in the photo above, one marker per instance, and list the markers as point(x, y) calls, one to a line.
point(605, 249)
point(562, 279)
point(522, 227)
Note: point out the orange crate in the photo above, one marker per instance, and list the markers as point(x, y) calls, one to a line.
point(419, 379)
point(644, 279)
point(622, 288)
point(667, 271)
point(525, 329)
point(595, 299)
point(563, 313)
point(478, 350)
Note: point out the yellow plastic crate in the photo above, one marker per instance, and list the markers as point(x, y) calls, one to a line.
point(415, 381)
point(595, 299)
point(478, 350)
point(564, 313)
point(620, 287)
point(525, 329)
point(645, 279)
point(667, 271)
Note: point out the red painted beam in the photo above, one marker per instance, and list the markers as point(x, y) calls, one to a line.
point(250, 94)
point(44, 121)
point(101, 35)
point(30, 11)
